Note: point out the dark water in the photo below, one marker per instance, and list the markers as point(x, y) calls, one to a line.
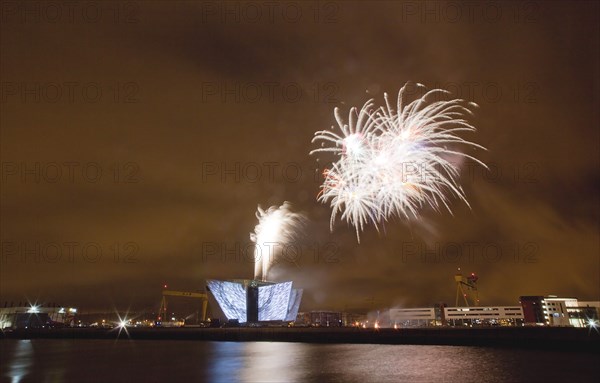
point(193, 361)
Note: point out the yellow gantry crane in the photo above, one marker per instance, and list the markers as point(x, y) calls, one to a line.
point(162, 312)
point(464, 285)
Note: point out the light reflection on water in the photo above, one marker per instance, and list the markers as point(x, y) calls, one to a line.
point(21, 362)
point(42, 360)
point(272, 362)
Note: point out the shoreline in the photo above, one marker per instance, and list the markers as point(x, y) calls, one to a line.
point(548, 338)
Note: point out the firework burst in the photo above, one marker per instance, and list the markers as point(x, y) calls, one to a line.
point(395, 161)
point(277, 226)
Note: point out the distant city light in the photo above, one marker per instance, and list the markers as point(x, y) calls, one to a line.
point(122, 325)
point(33, 309)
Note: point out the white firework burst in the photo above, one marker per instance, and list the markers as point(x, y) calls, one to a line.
point(277, 227)
point(395, 161)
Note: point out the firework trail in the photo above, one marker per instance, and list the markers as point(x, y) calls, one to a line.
point(395, 161)
point(277, 226)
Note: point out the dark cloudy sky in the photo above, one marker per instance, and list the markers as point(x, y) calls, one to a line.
point(136, 129)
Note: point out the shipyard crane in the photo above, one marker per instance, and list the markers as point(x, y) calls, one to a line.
point(465, 285)
point(162, 312)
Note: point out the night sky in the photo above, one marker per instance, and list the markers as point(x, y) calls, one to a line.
point(137, 130)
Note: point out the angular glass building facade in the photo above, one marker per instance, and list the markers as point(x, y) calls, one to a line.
point(256, 301)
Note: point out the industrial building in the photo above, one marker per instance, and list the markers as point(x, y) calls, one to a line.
point(247, 300)
point(455, 316)
point(320, 319)
point(413, 317)
point(353, 319)
point(36, 316)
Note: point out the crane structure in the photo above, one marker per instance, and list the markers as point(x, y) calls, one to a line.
point(466, 285)
point(162, 312)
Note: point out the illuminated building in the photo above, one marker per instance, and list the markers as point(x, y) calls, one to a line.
point(493, 315)
point(586, 314)
point(556, 311)
point(533, 312)
point(256, 301)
